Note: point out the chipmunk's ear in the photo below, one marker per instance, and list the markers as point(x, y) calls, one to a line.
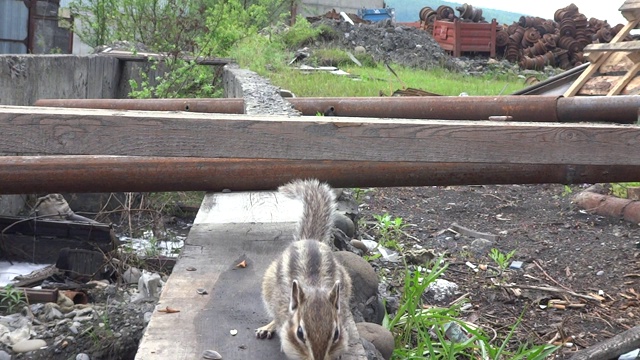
point(297, 296)
point(334, 295)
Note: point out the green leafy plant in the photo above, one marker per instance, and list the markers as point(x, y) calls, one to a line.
point(620, 189)
point(500, 258)
point(300, 34)
point(11, 299)
point(359, 193)
point(423, 332)
point(389, 230)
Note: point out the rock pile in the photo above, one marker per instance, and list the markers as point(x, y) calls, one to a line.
point(395, 44)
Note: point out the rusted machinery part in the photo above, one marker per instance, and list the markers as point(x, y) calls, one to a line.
point(223, 106)
point(502, 38)
point(569, 23)
point(604, 35)
point(569, 43)
point(24, 174)
point(425, 12)
point(530, 21)
point(468, 12)
point(532, 35)
point(445, 12)
point(567, 28)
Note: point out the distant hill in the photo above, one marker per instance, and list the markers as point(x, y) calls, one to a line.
point(409, 10)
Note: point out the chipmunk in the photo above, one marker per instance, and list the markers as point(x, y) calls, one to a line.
point(306, 290)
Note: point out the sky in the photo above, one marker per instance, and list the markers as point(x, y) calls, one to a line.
point(603, 10)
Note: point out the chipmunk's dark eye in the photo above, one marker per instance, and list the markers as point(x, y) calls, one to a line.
point(336, 335)
point(300, 333)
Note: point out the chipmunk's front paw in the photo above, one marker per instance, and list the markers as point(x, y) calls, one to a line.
point(266, 332)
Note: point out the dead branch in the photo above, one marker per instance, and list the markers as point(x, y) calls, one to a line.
point(611, 348)
point(476, 234)
point(550, 289)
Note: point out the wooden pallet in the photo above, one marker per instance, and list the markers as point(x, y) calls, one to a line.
point(614, 57)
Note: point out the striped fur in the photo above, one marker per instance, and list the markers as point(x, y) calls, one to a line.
point(319, 205)
point(306, 290)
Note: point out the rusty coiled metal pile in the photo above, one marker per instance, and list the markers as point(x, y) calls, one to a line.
point(443, 12)
point(534, 42)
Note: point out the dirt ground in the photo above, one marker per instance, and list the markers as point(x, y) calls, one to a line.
point(560, 246)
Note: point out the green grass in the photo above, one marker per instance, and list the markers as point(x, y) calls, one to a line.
point(379, 80)
point(269, 57)
point(429, 332)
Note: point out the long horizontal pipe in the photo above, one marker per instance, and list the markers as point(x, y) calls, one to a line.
point(618, 109)
point(223, 106)
point(45, 174)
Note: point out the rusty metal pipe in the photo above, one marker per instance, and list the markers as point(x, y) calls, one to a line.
point(621, 109)
point(618, 109)
point(43, 174)
point(438, 107)
point(534, 108)
point(223, 106)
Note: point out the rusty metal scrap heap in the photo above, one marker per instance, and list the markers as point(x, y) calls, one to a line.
point(443, 12)
point(534, 42)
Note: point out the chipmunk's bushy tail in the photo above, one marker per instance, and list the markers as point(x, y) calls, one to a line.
point(319, 205)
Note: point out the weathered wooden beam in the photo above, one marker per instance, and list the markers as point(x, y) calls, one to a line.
point(47, 174)
point(36, 131)
point(611, 348)
point(621, 46)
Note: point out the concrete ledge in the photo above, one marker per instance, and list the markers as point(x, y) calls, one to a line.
point(260, 96)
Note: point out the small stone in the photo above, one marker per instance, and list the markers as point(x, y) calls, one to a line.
point(191, 268)
point(82, 356)
point(4, 355)
point(344, 223)
point(132, 275)
point(201, 291)
point(379, 336)
point(211, 355)
point(28, 345)
point(441, 290)
point(360, 50)
point(52, 312)
point(147, 316)
point(233, 332)
point(358, 244)
point(516, 265)
point(600, 273)
point(73, 329)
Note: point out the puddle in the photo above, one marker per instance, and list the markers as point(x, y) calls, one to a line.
point(149, 245)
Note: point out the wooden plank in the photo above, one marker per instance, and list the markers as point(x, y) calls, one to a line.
point(213, 247)
point(616, 62)
point(593, 68)
point(630, 9)
point(625, 80)
point(601, 85)
point(620, 46)
point(30, 130)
